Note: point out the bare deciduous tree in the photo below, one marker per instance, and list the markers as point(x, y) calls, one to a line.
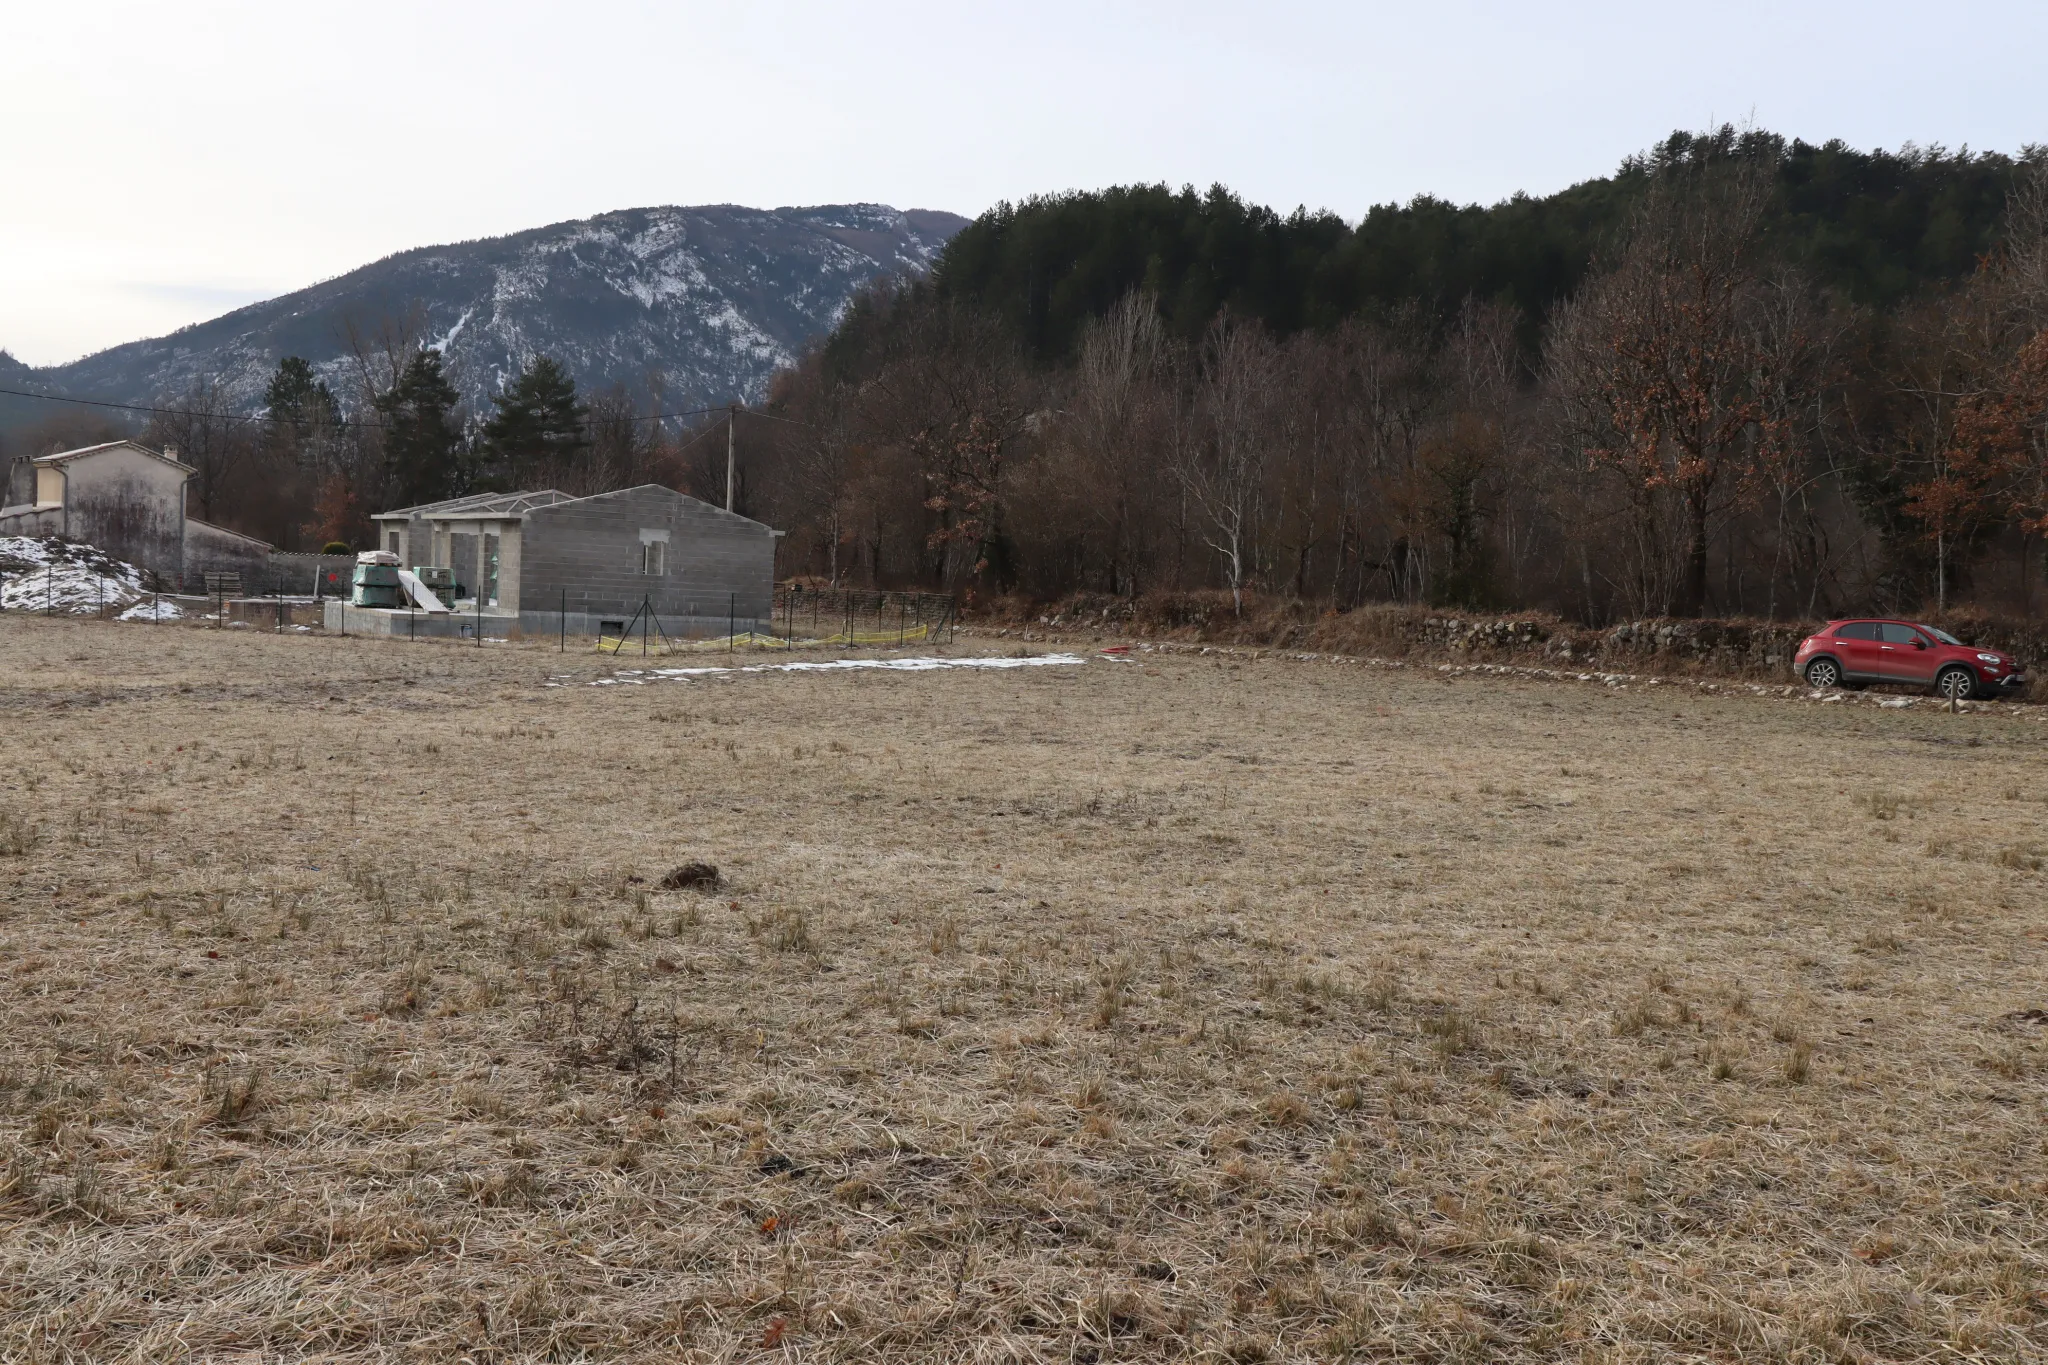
point(1221, 459)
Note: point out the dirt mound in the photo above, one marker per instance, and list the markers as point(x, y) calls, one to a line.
point(67, 577)
point(691, 877)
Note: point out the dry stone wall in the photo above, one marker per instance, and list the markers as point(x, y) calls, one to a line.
point(1717, 647)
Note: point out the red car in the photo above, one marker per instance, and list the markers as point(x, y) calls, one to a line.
point(1852, 653)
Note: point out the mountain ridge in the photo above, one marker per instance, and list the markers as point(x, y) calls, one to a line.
point(700, 303)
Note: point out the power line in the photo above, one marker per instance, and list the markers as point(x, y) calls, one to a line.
point(771, 416)
point(698, 437)
point(159, 412)
point(349, 421)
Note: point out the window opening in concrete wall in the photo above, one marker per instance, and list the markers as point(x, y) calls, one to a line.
point(490, 570)
point(653, 550)
point(391, 541)
point(462, 553)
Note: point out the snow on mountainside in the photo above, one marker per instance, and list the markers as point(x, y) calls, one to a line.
point(706, 301)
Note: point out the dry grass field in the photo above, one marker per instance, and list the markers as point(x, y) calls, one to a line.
point(1179, 1008)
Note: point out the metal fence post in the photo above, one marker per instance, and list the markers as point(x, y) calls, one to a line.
point(562, 644)
point(732, 619)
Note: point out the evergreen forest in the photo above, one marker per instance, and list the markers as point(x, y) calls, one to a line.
point(1741, 375)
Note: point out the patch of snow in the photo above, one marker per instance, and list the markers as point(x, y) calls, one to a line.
point(448, 339)
point(922, 665)
point(63, 576)
point(635, 677)
point(150, 609)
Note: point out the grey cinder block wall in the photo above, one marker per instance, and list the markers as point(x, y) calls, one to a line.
point(592, 551)
point(303, 574)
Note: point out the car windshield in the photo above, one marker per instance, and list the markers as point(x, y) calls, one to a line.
point(1942, 636)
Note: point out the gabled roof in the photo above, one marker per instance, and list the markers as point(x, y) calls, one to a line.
point(514, 506)
point(680, 496)
point(479, 505)
point(67, 456)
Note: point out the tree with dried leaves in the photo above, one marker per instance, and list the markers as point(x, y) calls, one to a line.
point(1657, 357)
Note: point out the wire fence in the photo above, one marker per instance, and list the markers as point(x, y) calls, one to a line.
point(859, 616)
point(807, 617)
point(800, 616)
point(232, 598)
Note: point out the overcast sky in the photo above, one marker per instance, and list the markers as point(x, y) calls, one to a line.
point(166, 162)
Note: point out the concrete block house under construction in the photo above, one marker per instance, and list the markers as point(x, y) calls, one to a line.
point(545, 561)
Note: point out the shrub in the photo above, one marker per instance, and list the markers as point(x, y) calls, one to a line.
point(336, 547)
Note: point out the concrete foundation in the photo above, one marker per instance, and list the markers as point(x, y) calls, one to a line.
point(340, 618)
point(590, 625)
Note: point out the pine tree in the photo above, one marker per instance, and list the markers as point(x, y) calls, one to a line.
point(539, 423)
point(423, 438)
point(297, 399)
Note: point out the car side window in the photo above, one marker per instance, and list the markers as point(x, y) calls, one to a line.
point(1857, 630)
point(1895, 634)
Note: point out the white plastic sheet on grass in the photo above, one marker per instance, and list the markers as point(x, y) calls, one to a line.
point(635, 677)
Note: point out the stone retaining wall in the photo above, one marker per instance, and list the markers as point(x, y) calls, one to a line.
point(1720, 647)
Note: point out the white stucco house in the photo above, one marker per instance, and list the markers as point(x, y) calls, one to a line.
point(129, 501)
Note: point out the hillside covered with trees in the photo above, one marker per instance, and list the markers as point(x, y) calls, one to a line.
point(1740, 375)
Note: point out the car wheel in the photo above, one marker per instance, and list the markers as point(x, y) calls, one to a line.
point(1957, 684)
point(1824, 673)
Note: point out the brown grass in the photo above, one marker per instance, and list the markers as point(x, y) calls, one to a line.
point(1185, 1008)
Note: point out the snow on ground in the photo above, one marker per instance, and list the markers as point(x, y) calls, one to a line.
point(637, 677)
point(150, 609)
point(52, 574)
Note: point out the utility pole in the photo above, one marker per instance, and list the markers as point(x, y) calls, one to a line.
point(732, 417)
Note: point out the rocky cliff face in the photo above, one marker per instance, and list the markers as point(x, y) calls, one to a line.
point(700, 303)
